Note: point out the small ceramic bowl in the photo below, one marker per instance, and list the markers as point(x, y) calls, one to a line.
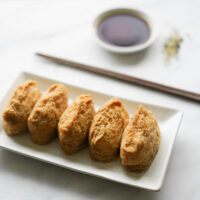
point(126, 49)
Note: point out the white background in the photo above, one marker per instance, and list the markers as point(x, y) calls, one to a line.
point(64, 28)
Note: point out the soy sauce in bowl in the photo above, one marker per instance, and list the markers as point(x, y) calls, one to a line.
point(124, 30)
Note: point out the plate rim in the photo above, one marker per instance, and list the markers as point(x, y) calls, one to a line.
point(84, 88)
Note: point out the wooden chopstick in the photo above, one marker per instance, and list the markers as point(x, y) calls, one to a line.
point(123, 77)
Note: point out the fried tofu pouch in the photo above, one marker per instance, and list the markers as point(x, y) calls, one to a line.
point(106, 130)
point(19, 108)
point(140, 141)
point(43, 120)
point(74, 124)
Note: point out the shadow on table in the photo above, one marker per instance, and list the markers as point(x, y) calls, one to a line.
point(129, 60)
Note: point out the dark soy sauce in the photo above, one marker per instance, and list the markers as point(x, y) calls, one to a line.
point(123, 30)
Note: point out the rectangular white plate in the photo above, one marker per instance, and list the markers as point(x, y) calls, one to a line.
point(169, 121)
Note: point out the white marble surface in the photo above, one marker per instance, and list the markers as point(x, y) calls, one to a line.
point(27, 26)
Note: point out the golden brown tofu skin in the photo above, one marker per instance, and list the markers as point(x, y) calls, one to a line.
point(140, 141)
point(19, 108)
point(43, 120)
point(106, 130)
point(74, 124)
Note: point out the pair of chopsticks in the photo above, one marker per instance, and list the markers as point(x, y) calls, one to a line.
point(123, 77)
